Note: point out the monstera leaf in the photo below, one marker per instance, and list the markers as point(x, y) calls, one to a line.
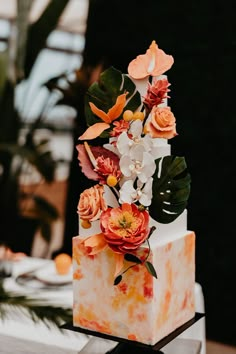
point(171, 188)
point(104, 93)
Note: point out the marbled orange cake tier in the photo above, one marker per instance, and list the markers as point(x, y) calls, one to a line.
point(140, 307)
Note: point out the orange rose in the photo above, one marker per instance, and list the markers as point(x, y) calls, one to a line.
point(125, 228)
point(91, 203)
point(162, 123)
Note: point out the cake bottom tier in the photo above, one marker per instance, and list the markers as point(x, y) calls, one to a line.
point(140, 307)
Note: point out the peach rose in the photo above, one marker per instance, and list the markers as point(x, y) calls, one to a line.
point(91, 203)
point(162, 123)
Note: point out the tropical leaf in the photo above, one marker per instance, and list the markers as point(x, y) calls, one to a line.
point(22, 24)
point(104, 93)
point(39, 31)
point(41, 160)
point(171, 189)
point(36, 309)
point(42, 210)
point(9, 119)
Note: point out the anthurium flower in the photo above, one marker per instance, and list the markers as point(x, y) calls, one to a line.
point(153, 63)
point(142, 194)
point(125, 228)
point(91, 203)
point(113, 113)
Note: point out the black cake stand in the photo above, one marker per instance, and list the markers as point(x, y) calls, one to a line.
point(126, 346)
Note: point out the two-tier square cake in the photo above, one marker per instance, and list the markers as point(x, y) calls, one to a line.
point(134, 259)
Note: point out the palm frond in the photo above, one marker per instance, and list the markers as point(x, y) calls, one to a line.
point(36, 309)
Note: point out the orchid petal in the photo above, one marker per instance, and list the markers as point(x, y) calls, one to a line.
point(123, 143)
point(125, 163)
point(136, 128)
point(126, 192)
point(94, 131)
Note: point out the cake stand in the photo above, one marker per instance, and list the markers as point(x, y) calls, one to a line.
point(126, 346)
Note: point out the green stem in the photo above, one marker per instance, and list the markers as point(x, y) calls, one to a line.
point(153, 228)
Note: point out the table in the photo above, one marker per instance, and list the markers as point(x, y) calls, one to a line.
point(23, 346)
point(23, 329)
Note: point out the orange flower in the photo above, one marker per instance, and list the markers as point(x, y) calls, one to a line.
point(119, 127)
point(125, 228)
point(162, 124)
point(91, 203)
point(114, 112)
point(155, 62)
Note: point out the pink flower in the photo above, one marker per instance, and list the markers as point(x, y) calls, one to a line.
point(156, 93)
point(91, 203)
point(120, 126)
point(162, 124)
point(125, 228)
point(106, 167)
point(92, 166)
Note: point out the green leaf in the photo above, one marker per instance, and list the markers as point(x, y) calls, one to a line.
point(41, 160)
point(104, 93)
point(132, 258)
point(40, 30)
point(171, 189)
point(117, 279)
point(35, 308)
point(150, 269)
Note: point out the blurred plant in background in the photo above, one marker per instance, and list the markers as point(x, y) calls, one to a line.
point(18, 152)
point(22, 153)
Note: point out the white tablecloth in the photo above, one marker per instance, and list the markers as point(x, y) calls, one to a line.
point(20, 326)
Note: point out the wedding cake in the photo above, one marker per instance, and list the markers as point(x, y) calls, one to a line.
point(134, 258)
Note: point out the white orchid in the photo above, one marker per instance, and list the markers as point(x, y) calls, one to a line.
point(125, 143)
point(137, 163)
point(143, 192)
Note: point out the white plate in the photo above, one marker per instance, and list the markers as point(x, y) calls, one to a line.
point(49, 275)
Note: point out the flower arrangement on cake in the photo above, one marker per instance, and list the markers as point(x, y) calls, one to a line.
point(132, 221)
point(128, 164)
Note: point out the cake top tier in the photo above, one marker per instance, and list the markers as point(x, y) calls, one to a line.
point(130, 112)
